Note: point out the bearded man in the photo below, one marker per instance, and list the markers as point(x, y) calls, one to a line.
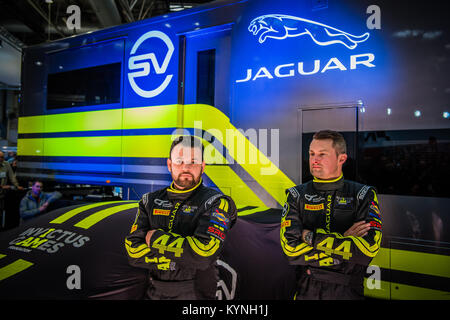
point(179, 231)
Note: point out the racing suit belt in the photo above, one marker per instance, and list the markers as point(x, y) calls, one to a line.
point(321, 274)
point(171, 287)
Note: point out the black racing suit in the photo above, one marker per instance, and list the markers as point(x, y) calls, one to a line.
point(334, 266)
point(191, 229)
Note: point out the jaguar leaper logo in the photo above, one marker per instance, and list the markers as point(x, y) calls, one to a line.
point(280, 26)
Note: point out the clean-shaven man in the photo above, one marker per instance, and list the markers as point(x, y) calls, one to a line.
point(330, 227)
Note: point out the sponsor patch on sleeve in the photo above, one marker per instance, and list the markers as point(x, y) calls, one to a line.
point(286, 223)
point(362, 193)
point(212, 199)
point(216, 231)
point(375, 225)
point(374, 207)
point(374, 215)
point(294, 193)
point(219, 218)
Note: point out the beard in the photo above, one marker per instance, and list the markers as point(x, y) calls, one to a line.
point(186, 182)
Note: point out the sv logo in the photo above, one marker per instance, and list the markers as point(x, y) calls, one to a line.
point(141, 64)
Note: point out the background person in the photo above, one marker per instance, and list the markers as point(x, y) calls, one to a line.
point(8, 179)
point(36, 202)
point(330, 227)
point(8, 182)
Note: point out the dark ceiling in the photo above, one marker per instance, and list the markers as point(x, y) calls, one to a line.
point(29, 22)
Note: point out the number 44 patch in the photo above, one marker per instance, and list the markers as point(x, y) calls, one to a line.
point(176, 246)
point(343, 249)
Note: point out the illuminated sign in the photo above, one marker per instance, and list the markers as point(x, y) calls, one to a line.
point(290, 69)
point(141, 64)
point(280, 26)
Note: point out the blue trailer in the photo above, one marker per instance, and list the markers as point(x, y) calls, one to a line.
point(254, 80)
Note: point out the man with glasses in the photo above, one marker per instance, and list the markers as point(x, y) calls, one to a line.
point(179, 231)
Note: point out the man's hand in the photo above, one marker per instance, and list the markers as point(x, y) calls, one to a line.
point(358, 229)
point(43, 207)
point(148, 236)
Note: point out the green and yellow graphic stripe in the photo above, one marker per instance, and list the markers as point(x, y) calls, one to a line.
point(290, 251)
point(416, 264)
point(204, 250)
point(223, 205)
point(137, 252)
point(88, 222)
point(420, 262)
point(264, 171)
point(71, 213)
point(13, 268)
point(212, 120)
